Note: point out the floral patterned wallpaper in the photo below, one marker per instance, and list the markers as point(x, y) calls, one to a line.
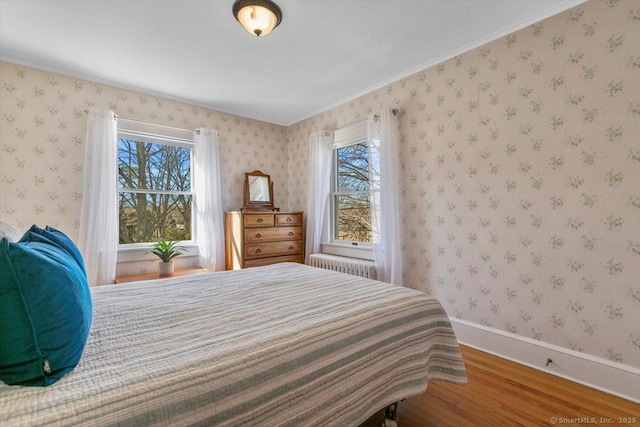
point(42, 130)
point(521, 179)
point(520, 161)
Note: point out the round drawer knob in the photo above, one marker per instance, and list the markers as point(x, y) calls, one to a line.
point(259, 220)
point(291, 233)
point(290, 248)
point(258, 235)
point(288, 219)
point(258, 250)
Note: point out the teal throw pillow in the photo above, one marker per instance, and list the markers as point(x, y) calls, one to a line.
point(59, 238)
point(45, 311)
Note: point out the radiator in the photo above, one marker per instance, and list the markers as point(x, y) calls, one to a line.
point(353, 266)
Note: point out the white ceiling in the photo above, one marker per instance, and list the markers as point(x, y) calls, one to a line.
point(323, 53)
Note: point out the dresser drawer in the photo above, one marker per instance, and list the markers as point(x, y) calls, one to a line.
point(273, 260)
point(288, 219)
point(272, 234)
point(258, 250)
point(254, 238)
point(258, 220)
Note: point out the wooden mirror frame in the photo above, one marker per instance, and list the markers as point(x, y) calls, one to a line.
point(251, 205)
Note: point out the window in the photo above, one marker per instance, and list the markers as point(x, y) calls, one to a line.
point(154, 185)
point(355, 189)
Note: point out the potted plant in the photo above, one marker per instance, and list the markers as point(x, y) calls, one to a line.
point(166, 250)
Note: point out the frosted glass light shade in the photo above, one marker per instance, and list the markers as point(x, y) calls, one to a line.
point(258, 17)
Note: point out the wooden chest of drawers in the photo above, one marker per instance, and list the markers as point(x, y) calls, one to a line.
point(254, 238)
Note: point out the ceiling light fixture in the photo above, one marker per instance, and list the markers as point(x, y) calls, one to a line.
point(258, 17)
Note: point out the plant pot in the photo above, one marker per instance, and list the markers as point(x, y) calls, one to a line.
point(165, 268)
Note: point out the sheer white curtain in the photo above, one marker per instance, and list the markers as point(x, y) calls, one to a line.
point(318, 189)
point(98, 239)
point(207, 200)
point(385, 143)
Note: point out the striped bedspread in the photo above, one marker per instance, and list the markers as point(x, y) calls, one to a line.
point(283, 345)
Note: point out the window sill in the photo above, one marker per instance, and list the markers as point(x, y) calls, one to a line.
point(155, 275)
point(347, 250)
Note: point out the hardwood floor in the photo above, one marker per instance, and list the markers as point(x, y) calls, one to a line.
point(504, 393)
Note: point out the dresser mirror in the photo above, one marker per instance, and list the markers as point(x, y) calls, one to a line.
point(258, 191)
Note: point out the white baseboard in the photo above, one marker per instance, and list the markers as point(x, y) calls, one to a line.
point(602, 374)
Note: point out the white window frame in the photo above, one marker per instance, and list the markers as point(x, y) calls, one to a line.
point(165, 135)
point(344, 137)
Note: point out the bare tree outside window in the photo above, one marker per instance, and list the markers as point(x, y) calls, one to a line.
point(155, 198)
point(354, 193)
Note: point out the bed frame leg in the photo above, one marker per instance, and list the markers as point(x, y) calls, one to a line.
point(391, 416)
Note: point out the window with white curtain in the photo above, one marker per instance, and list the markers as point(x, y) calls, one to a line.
point(154, 183)
point(355, 187)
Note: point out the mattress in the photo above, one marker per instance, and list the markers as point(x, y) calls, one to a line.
point(282, 345)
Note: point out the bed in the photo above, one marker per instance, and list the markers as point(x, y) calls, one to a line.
point(285, 344)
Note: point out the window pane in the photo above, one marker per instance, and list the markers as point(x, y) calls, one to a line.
point(353, 217)
point(151, 166)
point(149, 217)
point(353, 167)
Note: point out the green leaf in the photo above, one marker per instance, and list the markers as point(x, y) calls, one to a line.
point(166, 250)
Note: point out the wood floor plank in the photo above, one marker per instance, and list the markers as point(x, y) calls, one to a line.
point(504, 393)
